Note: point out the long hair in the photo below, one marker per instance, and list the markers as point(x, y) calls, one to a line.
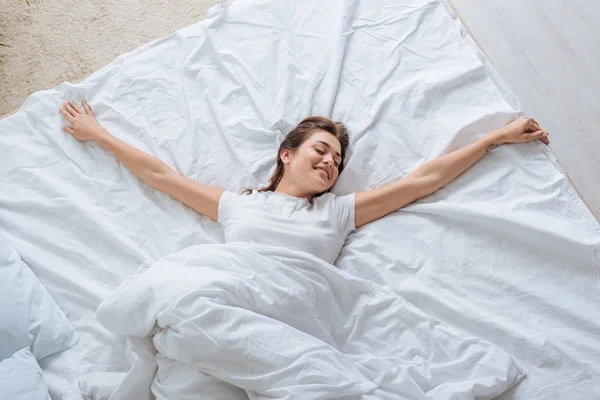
point(297, 136)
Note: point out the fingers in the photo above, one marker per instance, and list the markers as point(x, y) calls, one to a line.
point(87, 108)
point(69, 107)
point(540, 134)
point(532, 125)
point(68, 129)
point(544, 137)
point(75, 106)
point(528, 129)
point(535, 125)
point(66, 114)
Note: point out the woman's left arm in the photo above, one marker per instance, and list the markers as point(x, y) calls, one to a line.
point(371, 205)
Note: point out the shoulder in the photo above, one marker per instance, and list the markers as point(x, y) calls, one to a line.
point(231, 201)
point(334, 203)
point(330, 198)
point(340, 208)
point(234, 197)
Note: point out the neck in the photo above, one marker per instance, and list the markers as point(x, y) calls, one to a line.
point(293, 190)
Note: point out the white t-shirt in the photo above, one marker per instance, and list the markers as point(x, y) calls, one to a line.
point(319, 228)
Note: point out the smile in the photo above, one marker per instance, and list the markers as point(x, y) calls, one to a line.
point(324, 170)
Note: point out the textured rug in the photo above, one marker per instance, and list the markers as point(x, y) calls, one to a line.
point(66, 40)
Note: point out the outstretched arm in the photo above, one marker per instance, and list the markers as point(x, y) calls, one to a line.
point(201, 198)
point(435, 174)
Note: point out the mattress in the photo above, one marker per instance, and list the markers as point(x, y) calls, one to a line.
point(507, 252)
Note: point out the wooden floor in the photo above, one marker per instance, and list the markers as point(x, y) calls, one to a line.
point(548, 51)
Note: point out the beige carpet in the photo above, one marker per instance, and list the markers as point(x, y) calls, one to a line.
point(66, 40)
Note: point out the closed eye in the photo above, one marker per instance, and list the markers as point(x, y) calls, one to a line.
point(321, 152)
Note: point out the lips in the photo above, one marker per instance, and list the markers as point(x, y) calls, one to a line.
point(323, 169)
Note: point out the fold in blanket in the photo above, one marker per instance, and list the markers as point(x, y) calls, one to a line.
point(281, 324)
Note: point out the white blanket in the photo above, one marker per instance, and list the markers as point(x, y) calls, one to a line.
point(286, 325)
point(507, 252)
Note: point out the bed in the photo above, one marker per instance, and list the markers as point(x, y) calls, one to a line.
point(507, 252)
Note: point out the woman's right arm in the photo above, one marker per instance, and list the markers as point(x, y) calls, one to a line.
point(199, 197)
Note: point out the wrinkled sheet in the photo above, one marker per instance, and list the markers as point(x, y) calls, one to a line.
point(284, 324)
point(21, 377)
point(507, 252)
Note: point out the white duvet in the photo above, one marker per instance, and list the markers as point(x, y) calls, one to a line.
point(507, 253)
point(286, 325)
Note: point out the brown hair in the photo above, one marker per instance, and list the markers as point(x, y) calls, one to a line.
point(297, 136)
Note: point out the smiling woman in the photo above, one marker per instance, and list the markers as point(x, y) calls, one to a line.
point(316, 144)
point(309, 161)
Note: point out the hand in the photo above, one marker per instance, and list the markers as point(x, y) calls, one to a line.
point(83, 125)
point(523, 130)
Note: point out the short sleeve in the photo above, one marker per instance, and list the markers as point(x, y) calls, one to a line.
point(344, 212)
point(228, 203)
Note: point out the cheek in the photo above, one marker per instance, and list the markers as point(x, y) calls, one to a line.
point(302, 165)
point(312, 159)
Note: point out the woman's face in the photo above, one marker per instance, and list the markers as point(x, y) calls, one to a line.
point(313, 167)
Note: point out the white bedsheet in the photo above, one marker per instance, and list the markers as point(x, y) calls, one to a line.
point(507, 252)
point(285, 324)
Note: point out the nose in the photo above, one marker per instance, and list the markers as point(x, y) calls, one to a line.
point(329, 160)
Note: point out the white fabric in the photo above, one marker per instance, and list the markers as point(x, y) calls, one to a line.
point(284, 324)
point(319, 228)
point(29, 317)
point(141, 364)
point(507, 252)
point(21, 377)
point(176, 380)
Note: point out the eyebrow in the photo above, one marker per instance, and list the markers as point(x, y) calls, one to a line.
point(328, 146)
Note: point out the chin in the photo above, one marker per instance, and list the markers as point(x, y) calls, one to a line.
point(323, 189)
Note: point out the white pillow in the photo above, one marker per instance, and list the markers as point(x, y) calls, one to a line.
point(21, 378)
point(29, 315)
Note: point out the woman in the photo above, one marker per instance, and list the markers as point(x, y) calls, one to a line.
point(309, 161)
